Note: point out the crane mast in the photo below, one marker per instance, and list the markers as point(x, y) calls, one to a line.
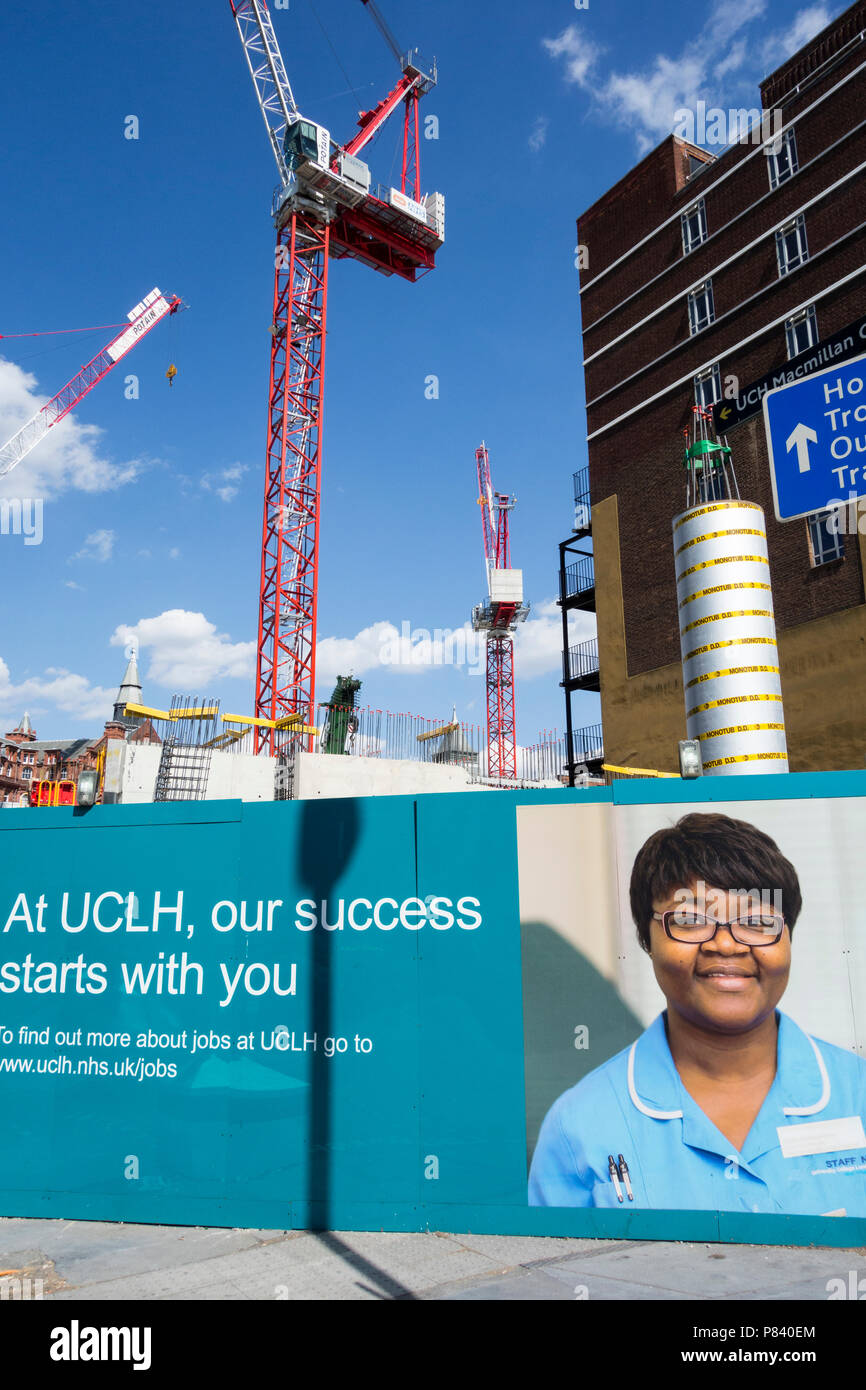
point(498, 617)
point(154, 307)
point(325, 206)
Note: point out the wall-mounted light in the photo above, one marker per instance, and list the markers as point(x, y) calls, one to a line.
point(690, 758)
point(88, 787)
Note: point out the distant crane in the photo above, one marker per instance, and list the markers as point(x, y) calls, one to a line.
point(325, 206)
point(499, 616)
point(149, 311)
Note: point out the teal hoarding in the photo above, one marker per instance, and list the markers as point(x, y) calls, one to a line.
point(306, 1014)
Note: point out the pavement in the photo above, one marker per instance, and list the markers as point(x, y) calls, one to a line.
point(92, 1260)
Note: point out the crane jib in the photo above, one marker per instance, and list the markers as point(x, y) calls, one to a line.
point(130, 336)
point(146, 313)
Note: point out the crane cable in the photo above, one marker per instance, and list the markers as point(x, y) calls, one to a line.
point(352, 87)
point(55, 332)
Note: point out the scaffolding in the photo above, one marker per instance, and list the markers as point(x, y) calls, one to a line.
point(184, 762)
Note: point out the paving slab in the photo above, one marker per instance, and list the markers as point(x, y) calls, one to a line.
point(530, 1286)
point(708, 1271)
point(93, 1260)
point(90, 1251)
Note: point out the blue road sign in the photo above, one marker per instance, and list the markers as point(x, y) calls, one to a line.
point(816, 440)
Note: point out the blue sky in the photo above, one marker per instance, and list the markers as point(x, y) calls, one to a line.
point(152, 507)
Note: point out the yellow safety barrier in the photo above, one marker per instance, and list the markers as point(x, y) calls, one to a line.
point(636, 771)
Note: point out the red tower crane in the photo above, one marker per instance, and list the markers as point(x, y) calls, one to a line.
point(154, 307)
point(498, 618)
point(324, 207)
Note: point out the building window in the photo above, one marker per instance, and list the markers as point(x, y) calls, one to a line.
point(801, 331)
point(694, 221)
point(791, 248)
point(701, 308)
point(782, 162)
point(708, 387)
point(826, 543)
point(26, 773)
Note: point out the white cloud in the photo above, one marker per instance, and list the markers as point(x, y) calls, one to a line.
point(580, 53)
point(99, 545)
point(538, 643)
point(224, 483)
point(71, 584)
point(174, 553)
point(417, 650)
point(185, 651)
point(808, 23)
point(720, 66)
point(343, 656)
point(538, 135)
point(68, 457)
point(59, 688)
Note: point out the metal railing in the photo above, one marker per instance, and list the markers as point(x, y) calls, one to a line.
point(582, 660)
point(377, 733)
point(588, 743)
point(545, 761)
point(579, 578)
point(582, 504)
point(365, 732)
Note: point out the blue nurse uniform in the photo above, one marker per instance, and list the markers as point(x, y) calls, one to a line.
point(805, 1152)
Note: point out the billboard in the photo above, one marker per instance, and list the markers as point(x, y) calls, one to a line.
point(695, 997)
point(357, 1014)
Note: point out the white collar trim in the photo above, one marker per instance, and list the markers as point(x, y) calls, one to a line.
point(825, 1087)
point(636, 1100)
point(819, 1105)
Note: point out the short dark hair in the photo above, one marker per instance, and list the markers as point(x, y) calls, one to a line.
point(726, 853)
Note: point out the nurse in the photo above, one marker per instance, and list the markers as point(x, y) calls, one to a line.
point(724, 1103)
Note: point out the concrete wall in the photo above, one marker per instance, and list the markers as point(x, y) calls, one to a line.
point(326, 774)
point(317, 775)
point(231, 776)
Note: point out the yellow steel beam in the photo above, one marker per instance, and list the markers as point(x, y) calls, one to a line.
point(202, 712)
point(637, 771)
point(437, 733)
point(288, 721)
point(146, 710)
point(225, 739)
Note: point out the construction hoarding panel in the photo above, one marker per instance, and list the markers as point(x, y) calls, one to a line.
point(312, 1013)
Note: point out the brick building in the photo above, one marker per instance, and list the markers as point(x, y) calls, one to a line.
point(26, 760)
point(706, 276)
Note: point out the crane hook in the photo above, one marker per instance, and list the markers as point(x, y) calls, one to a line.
point(171, 373)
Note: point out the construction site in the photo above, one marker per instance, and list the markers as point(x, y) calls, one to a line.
point(294, 743)
point(300, 740)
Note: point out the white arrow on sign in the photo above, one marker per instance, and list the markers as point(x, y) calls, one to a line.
point(800, 439)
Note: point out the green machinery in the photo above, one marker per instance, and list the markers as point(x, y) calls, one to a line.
point(342, 721)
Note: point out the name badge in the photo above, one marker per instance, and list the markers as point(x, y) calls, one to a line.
point(821, 1136)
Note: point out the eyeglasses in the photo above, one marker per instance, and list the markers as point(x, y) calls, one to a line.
point(693, 928)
